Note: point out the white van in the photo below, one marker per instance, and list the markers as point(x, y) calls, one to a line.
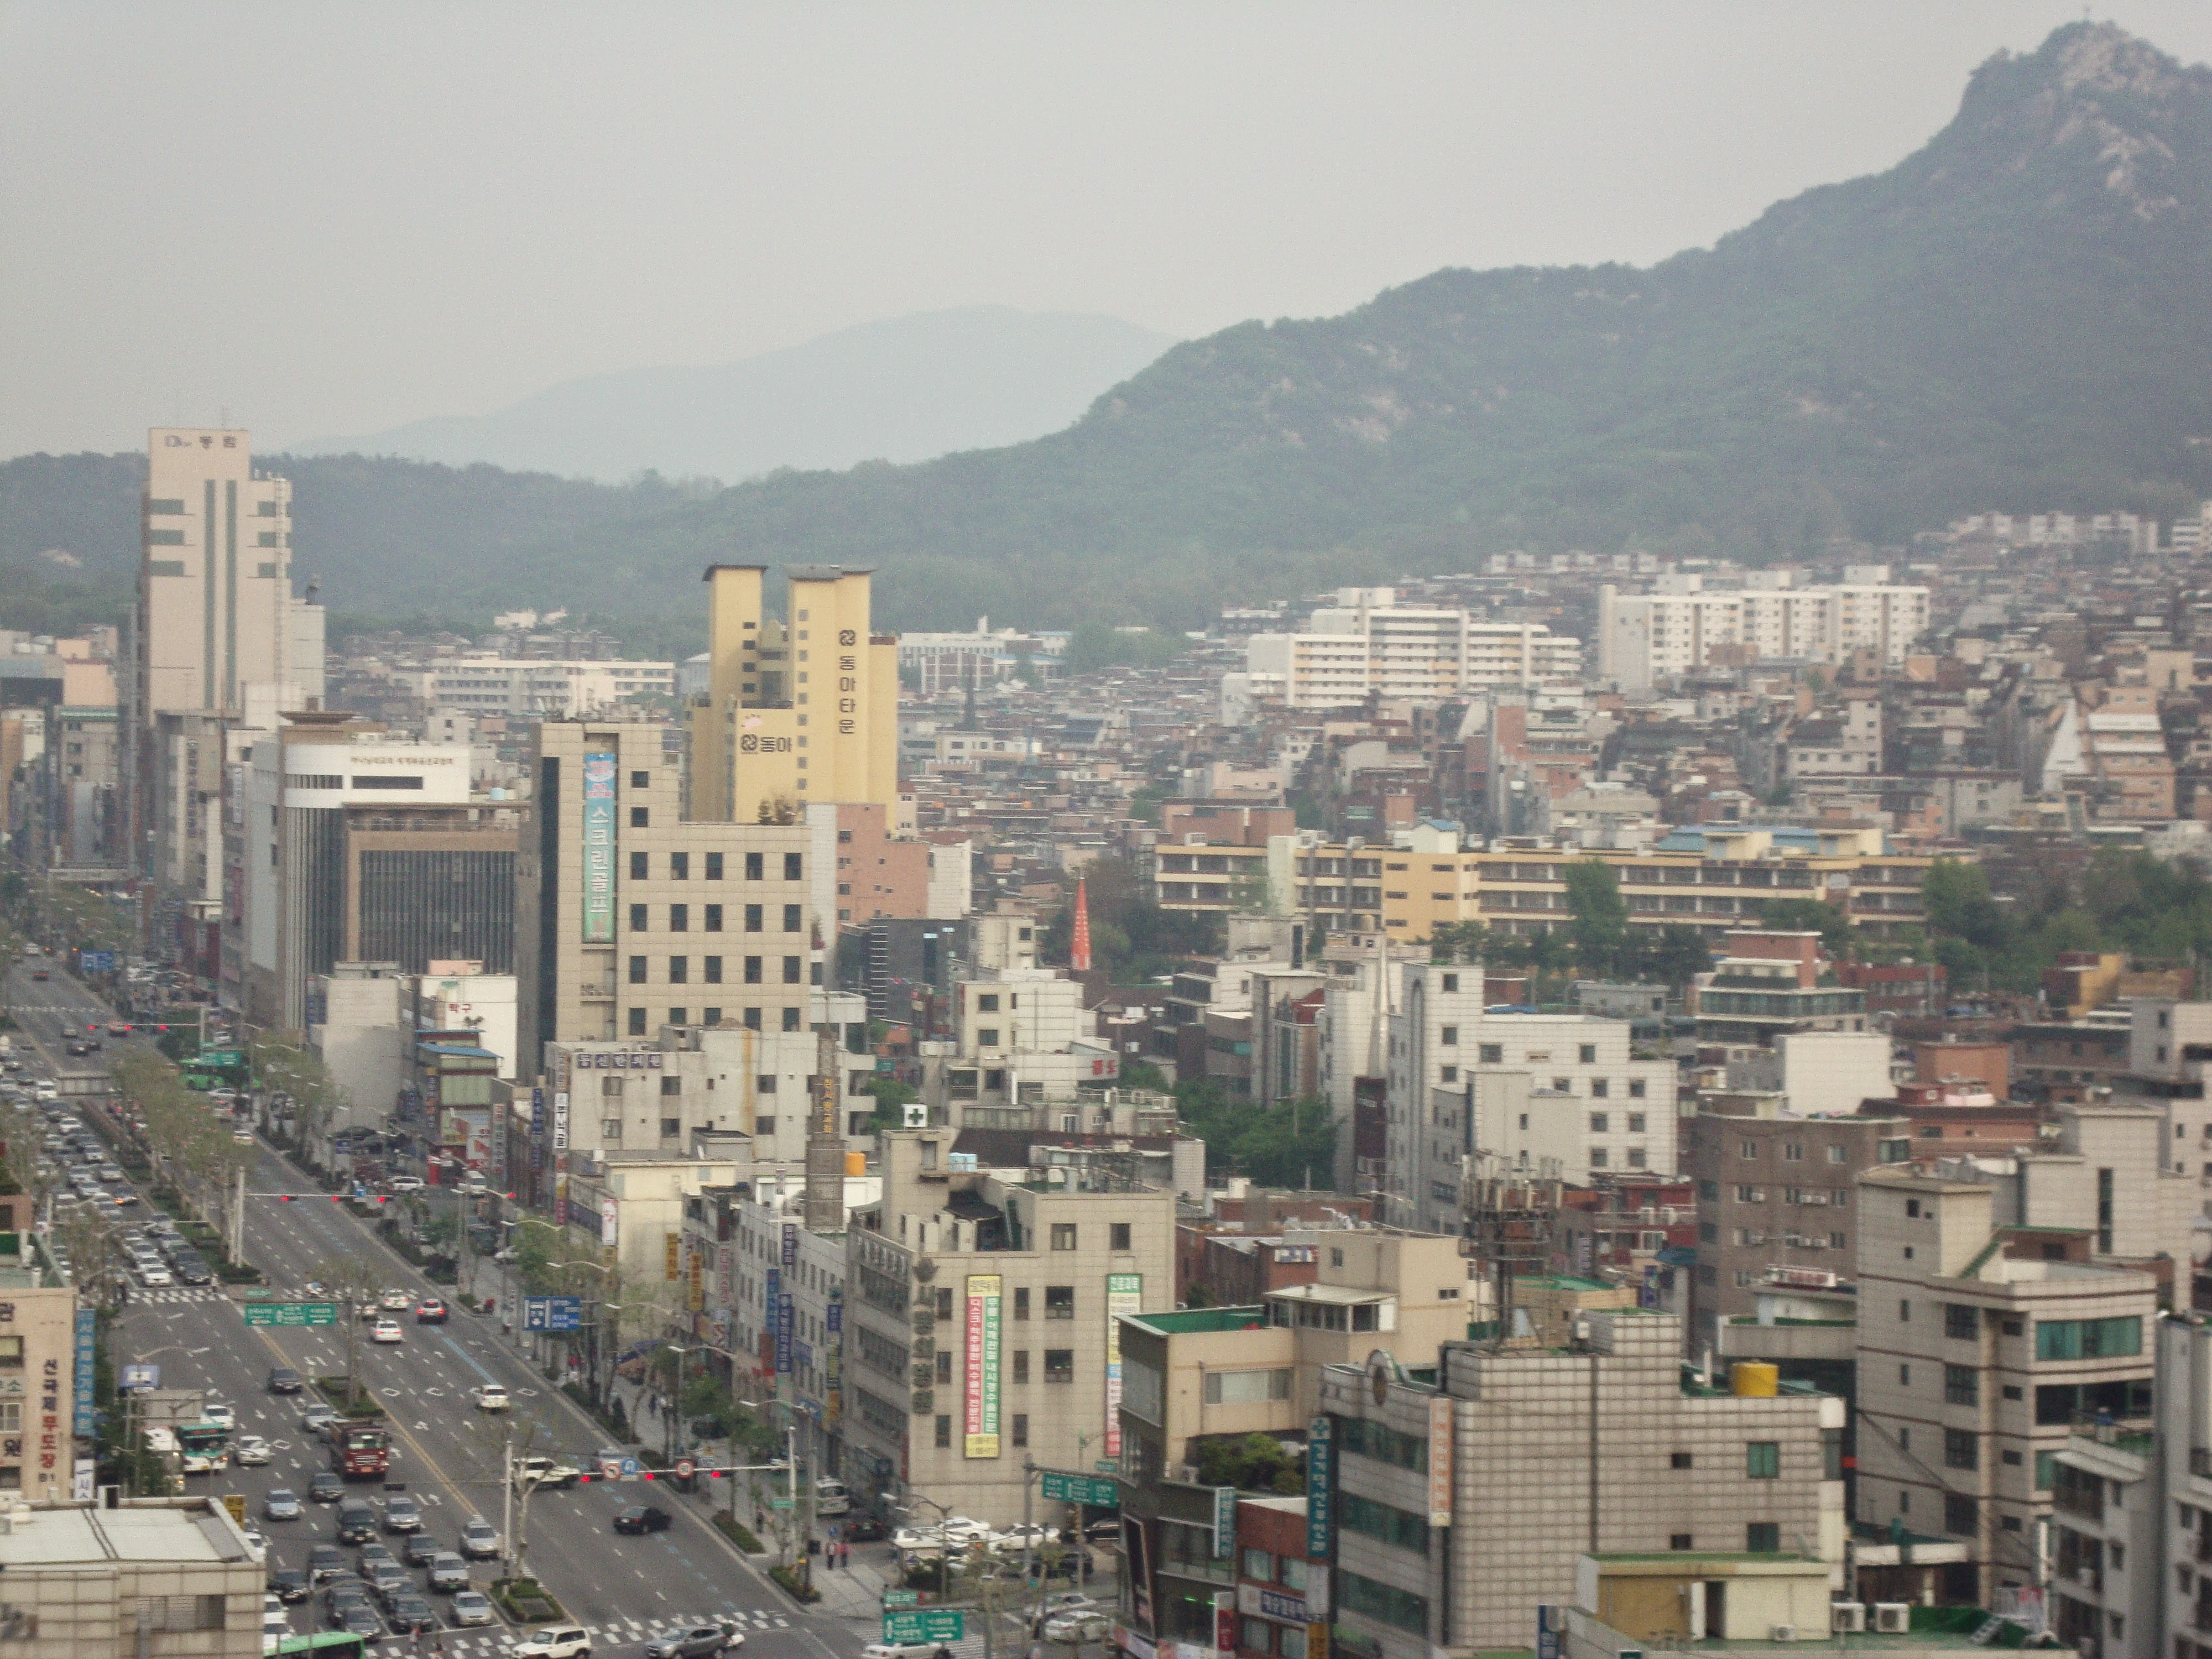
point(831, 1498)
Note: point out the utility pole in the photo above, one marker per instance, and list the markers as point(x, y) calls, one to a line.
point(507, 1500)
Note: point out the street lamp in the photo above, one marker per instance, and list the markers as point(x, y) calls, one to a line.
point(790, 1468)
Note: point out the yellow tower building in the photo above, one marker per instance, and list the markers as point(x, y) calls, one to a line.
point(797, 711)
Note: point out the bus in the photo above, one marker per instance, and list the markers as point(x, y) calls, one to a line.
point(206, 1447)
point(322, 1645)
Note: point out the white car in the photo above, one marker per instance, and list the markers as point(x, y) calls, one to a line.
point(387, 1330)
point(219, 1411)
point(251, 1449)
point(554, 1641)
point(404, 1184)
point(1078, 1627)
point(397, 1301)
point(154, 1276)
point(490, 1398)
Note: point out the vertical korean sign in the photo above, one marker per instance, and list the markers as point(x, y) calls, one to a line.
point(88, 1324)
point(1125, 1294)
point(983, 1290)
point(1440, 1460)
point(599, 848)
point(1321, 1489)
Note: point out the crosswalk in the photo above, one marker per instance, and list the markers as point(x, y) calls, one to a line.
point(180, 1293)
point(484, 1639)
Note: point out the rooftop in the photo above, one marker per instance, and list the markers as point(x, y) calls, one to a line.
point(1201, 1319)
point(146, 1530)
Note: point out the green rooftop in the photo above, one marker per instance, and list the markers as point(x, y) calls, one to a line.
point(1201, 1319)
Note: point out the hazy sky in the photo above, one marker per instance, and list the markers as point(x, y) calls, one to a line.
point(334, 217)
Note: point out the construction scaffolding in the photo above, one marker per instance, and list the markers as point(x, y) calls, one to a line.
point(1508, 1211)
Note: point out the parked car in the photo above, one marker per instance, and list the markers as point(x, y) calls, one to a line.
point(642, 1518)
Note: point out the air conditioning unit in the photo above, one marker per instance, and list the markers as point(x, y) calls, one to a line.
point(1782, 1632)
point(1846, 1617)
point(1893, 1618)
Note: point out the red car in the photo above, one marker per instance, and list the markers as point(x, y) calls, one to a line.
point(430, 1312)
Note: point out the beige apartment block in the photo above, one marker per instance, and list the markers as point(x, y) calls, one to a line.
point(981, 1312)
point(171, 1576)
point(1535, 1458)
point(38, 1350)
point(1980, 1348)
point(797, 710)
point(630, 916)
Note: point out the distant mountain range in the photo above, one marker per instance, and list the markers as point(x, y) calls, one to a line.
point(906, 389)
point(2017, 316)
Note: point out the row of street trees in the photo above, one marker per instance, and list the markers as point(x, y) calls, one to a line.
point(191, 1146)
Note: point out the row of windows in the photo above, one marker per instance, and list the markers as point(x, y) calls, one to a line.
point(710, 971)
point(1019, 1435)
point(1793, 1151)
point(793, 1019)
point(1383, 1523)
point(1383, 1444)
point(679, 864)
point(710, 918)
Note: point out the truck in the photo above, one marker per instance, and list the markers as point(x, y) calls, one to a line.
point(537, 1472)
point(361, 1448)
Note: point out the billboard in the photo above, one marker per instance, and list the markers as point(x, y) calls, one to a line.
point(1125, 1294)
point(599, 848)
point(983, 1293)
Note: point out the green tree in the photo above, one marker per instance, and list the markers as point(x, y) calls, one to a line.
point(1249, 1462)
point(1600, 929)
point(1809, 916)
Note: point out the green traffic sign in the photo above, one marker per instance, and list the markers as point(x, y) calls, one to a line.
point(902, 1598)
point(779, 1502)
point(1081, 1489)
point(1108, 1465)
point(290, 1313)
point(929, 1625)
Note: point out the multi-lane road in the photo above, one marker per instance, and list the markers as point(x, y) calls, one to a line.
point(447, 1454)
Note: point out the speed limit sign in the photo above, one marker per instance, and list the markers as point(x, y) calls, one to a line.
point(685, 1468)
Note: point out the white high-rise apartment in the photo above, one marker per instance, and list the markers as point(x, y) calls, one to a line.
point(1644, 638)
point(1367, 643)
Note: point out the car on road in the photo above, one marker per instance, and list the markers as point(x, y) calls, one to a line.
point(692, 1641)
point(118, 1028)
point(554, 1641)
point(640, 1518)
point(154, 1276)
point(420, 1549)
point(251, 1449)
point(318, 1418)
point(397, 1301)
point(1065, 1601)
point(79, 1048)
point(326, 1487)
point(108, 1175)
point(282, 1504)
point(243, 1137)
point(387, 1578)
point(357, 1617)
point(220, 1410)
point(374, 1551)
point(41, 973)
point(356, 1523)
point(902, 1650)
point(404, 1184)
point(402, 1515)
point(1077, 1627)
point(543, 1472)
point(448, 1572)
point(327, 1561)
point(470, 1607)
point(490, 1397)
point(290, 1585)
point(480, 1539)
point(431, 1311)
point(282, 1379)
point(408, 1612)
point(387, 1330)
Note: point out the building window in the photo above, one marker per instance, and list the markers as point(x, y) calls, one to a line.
point(1021, 1364)
point(752, 1019)
point(638, 924)
point(1060, 1364)
point(713, 867)
point(1762, 1459)
point(988, 1003)
point(679, 970)
point(791, 920)
point(1635, 1088)
point(671, 1085)
point(1601, 1088)
point(1448, 1036)
point(753, 866)
point(2087, 1338)
point(1746, 1149)
point(1762, 1537)
point(1117, 1236)
point(1960, 1514)
point(1962, 1385)
point(679, 866)
point(1493, 1053)
point(1904, 1311)
point(1247, 1387)
point(1636, 1123)
point(1063, 1235)
point(944, 1368)
point(944, 1422)
point(714, 966)
point(1680, 1540)
point(987, 1036)
point(611, 1128)
point(752, 970)
point(1021, 1302)
point(637, 970)
point(637, 1022)
point(1059, 1302)
point(752, 918)
point(1021, 1428)
point(640, 817)
point(794, 971)
point(794, 867)
point(791, 1020)
point(1589, 1051)
point(679, 1016)
point(1601, 1123)
point(1450, 983)
point(713, 919)
point(679, 918)
point(639, 862)
point(1962, 1449)
point(1682, 1460)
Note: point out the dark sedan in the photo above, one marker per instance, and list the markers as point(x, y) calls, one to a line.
point(284, 1380)
point(642, 1518)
